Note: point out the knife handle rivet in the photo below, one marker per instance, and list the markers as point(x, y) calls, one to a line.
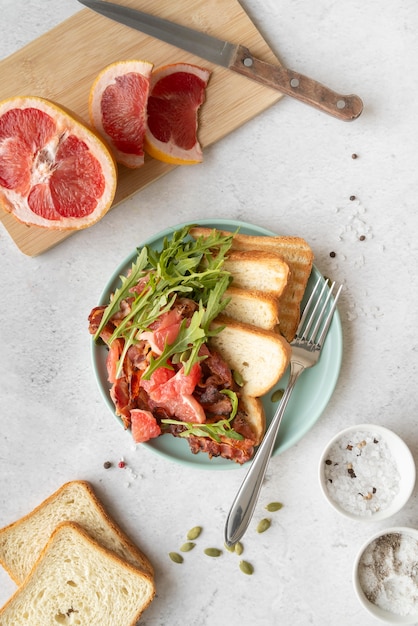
point(294, 82)
point(247, 61)
point(341, 104)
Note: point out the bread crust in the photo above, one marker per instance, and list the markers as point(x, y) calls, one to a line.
point(22, 528)
point(297, 254)
point(256, 416)
point(29, 591)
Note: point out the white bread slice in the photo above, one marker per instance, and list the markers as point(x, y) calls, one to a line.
point(260, 356)
point(257, 269)
point(22, 542)
point(252, 307)
point(77, 581)
point(298, 255)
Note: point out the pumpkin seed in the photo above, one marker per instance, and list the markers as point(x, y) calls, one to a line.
point(194, 532)
point(246, 567)
point(277, 395)
point(174, 556)
point(274, 506)
point(239, 548)
point(186, 547)
point(213, 552)
point(230, 548)
point(263, 525)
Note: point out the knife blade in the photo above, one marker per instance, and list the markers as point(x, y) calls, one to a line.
point(235, 57)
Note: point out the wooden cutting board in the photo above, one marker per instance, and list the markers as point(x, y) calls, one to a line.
point(62, 64)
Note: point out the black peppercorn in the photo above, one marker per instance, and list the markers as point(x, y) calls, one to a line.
point(332, 254)
point(107, 464)
point(352, 198)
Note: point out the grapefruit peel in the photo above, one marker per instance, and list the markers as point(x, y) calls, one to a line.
point(117, 108)
point(55, 172)
point(176, 93)
point(59, 174)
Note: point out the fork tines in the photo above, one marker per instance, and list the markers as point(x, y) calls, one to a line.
point(317, 312)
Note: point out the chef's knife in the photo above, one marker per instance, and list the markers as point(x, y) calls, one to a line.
point(235, 57)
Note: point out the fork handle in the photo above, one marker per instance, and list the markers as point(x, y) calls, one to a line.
point(244, 504)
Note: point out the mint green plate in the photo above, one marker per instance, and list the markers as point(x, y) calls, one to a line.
point(309, 399)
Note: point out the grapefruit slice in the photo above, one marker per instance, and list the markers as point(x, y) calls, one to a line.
point(117, 108)
point(54, 171)
point(176, 93)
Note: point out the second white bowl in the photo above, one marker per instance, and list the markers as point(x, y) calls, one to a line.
point(385, 575)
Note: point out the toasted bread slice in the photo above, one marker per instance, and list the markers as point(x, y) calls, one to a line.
point(22, 541)
point(296, 252)
point(258, 269)
point(255, 415)
point(77, 581)
point(260, 356)
point(252, 307)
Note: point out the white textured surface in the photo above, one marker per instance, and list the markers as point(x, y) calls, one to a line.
point(290, 170)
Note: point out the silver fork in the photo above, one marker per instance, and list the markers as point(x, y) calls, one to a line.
point(306, 349)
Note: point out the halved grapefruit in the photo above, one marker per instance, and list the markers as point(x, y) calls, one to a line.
point(117, 108)
point(54, 171)
point(176, 93)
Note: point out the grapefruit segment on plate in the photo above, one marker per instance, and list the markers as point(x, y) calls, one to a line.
point(176, 93)
point(54, 171)
point(117, 108)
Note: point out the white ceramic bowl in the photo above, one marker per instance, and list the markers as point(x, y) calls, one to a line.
point(402, 458)
point(375, 610)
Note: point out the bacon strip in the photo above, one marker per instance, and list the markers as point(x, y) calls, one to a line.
point(194, 399)
point(227, 448)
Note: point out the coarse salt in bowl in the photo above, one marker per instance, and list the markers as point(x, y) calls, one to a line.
point(385, 575)
point(367, 472)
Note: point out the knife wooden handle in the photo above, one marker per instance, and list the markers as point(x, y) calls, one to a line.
point(296, 85)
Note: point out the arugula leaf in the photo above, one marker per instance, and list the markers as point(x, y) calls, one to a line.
point(215, 304)
point(128, 282)
point(234, 401)
point(183, 267)
point(213, 430)
point(189, 336)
